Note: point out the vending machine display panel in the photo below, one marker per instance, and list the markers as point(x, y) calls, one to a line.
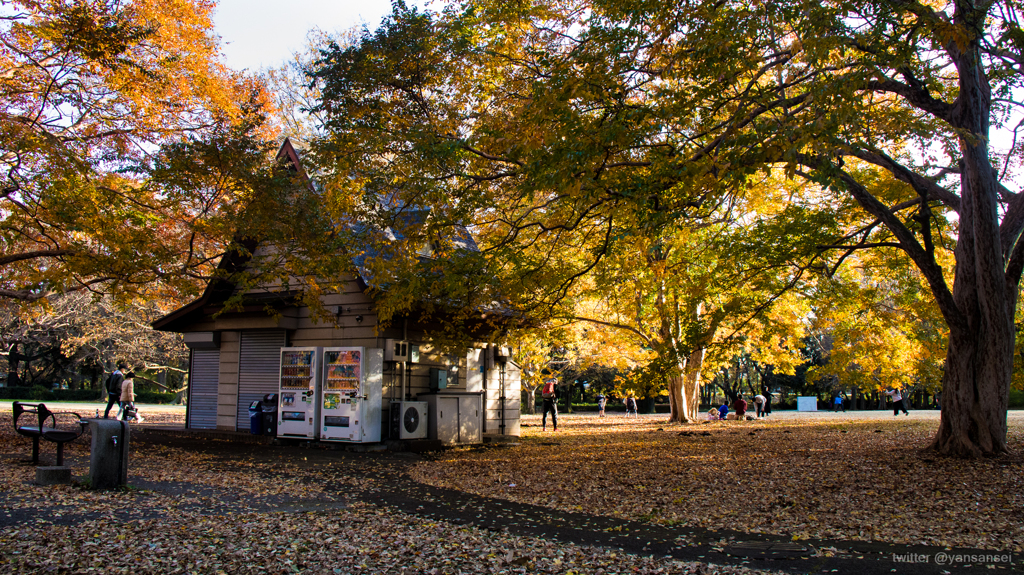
point(344, 368)
point(300, 384)
point(343, 371)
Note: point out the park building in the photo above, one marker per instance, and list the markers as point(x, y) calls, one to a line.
point(350, 379)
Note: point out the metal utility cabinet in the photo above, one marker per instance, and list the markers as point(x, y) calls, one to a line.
point(455, 417)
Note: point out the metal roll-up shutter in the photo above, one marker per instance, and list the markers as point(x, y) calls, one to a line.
point(204, 377)
point(258, 366)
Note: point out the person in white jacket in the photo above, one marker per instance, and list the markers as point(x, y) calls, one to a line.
point(897, 401)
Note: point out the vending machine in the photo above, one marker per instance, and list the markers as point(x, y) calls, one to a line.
point(350, 404)
point(300, 386)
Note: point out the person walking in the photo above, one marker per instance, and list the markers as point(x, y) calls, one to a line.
point(631, 406)
point(113, 388)
point(128, 398)
point(601, 402)
point(897, 402)
point(550, 396)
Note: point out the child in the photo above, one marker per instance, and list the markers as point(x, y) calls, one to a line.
point(128, 397)
point(601, 401)
point(713, 414)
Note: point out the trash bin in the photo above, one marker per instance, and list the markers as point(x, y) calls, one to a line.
point(256, 418)
point(270, 414)
point(108, 457)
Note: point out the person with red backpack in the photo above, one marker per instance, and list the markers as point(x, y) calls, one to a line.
point(549, 394)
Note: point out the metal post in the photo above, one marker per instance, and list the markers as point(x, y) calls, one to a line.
point(501, 379)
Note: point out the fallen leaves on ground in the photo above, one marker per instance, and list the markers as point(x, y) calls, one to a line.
point(226, 518)
point(839, 477)
point(359, 539)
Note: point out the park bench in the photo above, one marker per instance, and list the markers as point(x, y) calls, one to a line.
point(56, 427)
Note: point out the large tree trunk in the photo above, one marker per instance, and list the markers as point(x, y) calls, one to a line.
point(13, 366)
point(975, 395)
point(676, 401)
point(979, 360)
point(530, 405)
point(684, 390)
point(692, 383)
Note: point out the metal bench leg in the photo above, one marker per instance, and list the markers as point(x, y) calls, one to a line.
point(60, 455)
point(35, 450)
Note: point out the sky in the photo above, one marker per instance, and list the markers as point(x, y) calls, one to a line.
point(259, 33)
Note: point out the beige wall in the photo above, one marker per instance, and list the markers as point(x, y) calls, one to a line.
point(341, 329)
point(513, 400)
point(227, 390)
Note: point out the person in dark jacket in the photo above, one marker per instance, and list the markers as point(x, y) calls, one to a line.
point(114, 390)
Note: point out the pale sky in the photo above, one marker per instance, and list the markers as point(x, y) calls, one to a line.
point(259, 33)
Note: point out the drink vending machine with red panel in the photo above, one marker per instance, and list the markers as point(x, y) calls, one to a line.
point(298, 393)
point(350, 402)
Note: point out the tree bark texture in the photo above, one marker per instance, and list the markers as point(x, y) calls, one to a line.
point(979, 360)
point(676, 399)
point(684, 390)
point(530, 405)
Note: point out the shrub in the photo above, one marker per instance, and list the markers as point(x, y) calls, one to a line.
point(79, 395)
point(40, 393)
point(15, 392)
point(155, 397)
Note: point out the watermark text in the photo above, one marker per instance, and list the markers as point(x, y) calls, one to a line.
point(943, 558)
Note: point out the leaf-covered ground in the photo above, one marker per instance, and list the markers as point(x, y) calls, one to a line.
point(254, 509)
point(846, 476)
point(360, 539)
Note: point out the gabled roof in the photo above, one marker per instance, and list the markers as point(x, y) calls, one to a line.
point(216, 292)
point(221, 289)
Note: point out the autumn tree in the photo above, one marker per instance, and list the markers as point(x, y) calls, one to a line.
point(450, 115)
point(881, 324)
point(91, 92)
point(533, 355)
point(572, 113)
point(75, 337)
point(910, 90)
point(698, 291)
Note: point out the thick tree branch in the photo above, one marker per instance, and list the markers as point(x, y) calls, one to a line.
point(923, 186)
point(9, 259)
point(862, 246)
point(917, 97)
point(646, 339)
point(905, 236)
point(1012, 226)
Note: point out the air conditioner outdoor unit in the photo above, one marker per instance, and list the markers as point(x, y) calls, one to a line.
point(409, 420)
